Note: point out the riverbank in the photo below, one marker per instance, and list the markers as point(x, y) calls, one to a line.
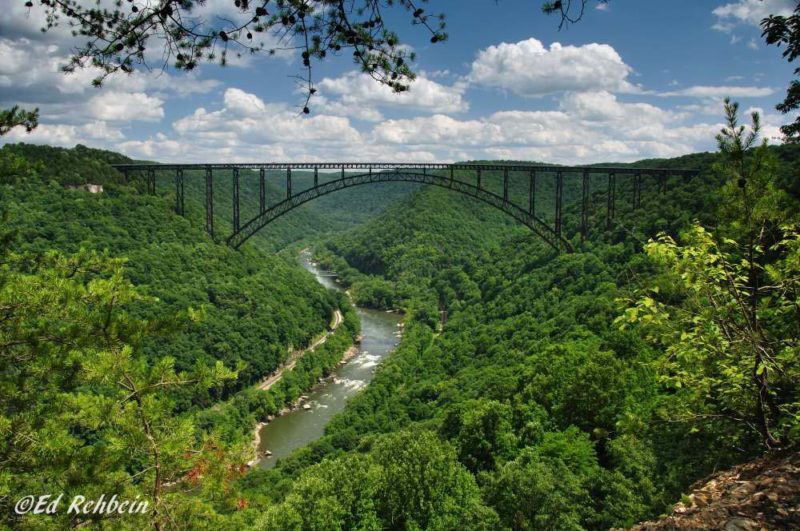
point(291, 361)
point(304, 421)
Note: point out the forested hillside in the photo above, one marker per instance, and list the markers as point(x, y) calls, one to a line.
point(123, 323)
point(531, 390)
point(562, 392)
point(256, 305)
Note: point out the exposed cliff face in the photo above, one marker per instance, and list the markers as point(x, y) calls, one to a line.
point(762, 494)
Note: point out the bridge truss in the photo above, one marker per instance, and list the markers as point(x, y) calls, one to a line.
point(463, 178)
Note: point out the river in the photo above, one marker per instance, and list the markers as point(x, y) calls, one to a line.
point(299, 427)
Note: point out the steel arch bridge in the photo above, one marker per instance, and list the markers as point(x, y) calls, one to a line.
point(462, 178)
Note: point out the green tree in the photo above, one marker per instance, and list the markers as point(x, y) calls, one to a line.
point(723, 313)
point(423, 486)
point(730, 365)
point(482, 432)
point(785, 31)
point(81, 409)
point(16, 117)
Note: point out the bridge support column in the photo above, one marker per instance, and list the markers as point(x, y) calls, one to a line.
point(179, 192)
point(151, 181)
point(532, 192)
point(451, 176)
point(559, 189)
point(262, 191)
point(316, 177)
point(288, 183)
point(662, 182)
point(612, 193)
point(210, 202)
point(235, 200)
point(343, 173)
point(505, 185)
point(639, 192)
point(479, 178)
point(585, 206)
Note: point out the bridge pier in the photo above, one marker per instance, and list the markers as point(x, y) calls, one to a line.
point(316, 176)
point(505, 185)
point(235, 200)
point(151, 181)
point(479, 179)
point(612, 193)
point(637, 189)
point(262, 190)
point(179, 205)
point(210, 201)
point(585, 206)
point(559, 190)
point(532, 192)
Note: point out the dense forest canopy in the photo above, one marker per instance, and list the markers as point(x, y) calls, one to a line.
point(531, 390)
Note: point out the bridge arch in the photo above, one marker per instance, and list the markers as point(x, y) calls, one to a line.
point(536, 225)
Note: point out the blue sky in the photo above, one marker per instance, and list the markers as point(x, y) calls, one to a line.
point(635, 79)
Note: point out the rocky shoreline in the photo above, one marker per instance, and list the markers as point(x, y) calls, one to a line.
point(296, 405)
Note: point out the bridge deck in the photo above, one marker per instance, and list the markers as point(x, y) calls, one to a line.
point(494, 166)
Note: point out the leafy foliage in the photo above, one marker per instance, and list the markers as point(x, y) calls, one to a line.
point(16, 117)
point(83, 410)
point(785, 31)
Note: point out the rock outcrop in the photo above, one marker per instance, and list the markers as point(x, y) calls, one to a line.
point(761, 494)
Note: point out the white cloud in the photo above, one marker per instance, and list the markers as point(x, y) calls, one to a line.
point(588, 127)
point(242, 103)
point(130, 106)
point(246, 120)
point(96, 132)
point(30, 73)
point(527, 68)
point(750, 12)
point(722, 91)
point(602, 106)
point(359, 95)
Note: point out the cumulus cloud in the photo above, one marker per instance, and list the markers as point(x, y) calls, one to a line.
point(750, 12)
point(246, 120)
point(131, 106)
point(528, 68)
point(546, 136)
point(358, 95)
point(586, 127)
point(67, 135)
